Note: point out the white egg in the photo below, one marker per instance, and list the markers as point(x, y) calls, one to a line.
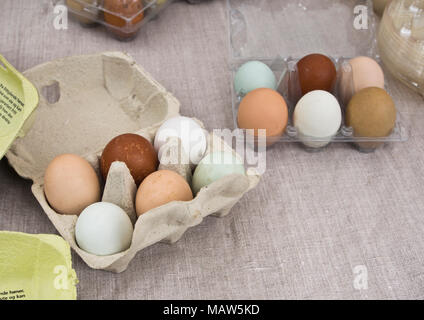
point(317, 116)
point(103, 229)
point(191, 134)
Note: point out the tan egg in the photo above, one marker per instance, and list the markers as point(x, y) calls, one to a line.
point(263, 109)
point(71, 184)
point(366, 73)
point(159, 188)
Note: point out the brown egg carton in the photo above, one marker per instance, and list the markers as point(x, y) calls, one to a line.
point(85, 101)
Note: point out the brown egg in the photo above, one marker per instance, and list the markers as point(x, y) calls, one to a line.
point(123, 8)
point(263, 109)
point(316, 72)
point(135, 151)
point(371, 113)
point(71, 184)
point(159, 188)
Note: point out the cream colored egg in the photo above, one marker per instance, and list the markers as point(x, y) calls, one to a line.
point(366, 73)
point(71, 184)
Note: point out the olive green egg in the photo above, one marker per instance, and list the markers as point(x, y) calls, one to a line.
point(372, 114)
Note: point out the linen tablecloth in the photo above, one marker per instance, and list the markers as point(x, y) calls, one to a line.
point(316, 222)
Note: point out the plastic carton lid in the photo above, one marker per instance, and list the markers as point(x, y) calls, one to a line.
point(273, 28)
point(18, 100)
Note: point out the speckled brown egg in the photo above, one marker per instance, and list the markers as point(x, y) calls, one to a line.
point(135, 151)
point(118, 13)
point(159, 188)
point(71, 184)
point(316, 72)
point(371, 113)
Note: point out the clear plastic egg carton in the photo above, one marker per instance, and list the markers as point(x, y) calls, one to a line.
point(274, 32)
point(288, 86)
point(123, 19)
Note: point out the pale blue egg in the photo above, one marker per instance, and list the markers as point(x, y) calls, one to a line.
point(215, 166)
point(254, 75)
point(103, 229)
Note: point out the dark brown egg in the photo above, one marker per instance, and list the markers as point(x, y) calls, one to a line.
point(316, 72)
point(135, 151)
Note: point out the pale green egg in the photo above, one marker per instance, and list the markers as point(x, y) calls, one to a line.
point(254, 75)
point(215, 166)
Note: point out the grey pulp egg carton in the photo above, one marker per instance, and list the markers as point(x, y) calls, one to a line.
point(85, 101)
point(274, 32)
point(124, 27)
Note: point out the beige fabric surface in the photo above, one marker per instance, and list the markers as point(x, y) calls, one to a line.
point(310, 222)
